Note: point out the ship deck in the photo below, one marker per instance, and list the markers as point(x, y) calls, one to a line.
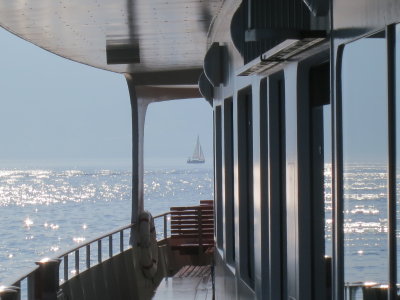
point(191, 282)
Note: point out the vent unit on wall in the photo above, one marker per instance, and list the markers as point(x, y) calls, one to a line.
point(283, 52)
point(206, 88)
point(213, 64)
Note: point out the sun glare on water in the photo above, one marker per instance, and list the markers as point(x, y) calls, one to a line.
point(28, 223)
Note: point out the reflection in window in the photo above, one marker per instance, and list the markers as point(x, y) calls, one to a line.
point(365, 148)
point(328, 180)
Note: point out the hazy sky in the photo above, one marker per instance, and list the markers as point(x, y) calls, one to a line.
point(364, 87)
point(171, 131)
point(54, 111)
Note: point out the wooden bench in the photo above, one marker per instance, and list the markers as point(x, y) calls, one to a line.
point(192, 227)
point(193, 271)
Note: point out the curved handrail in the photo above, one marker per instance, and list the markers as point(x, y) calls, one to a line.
point(165, 217)
point(64, 257)
point(18, 281)
point(162, 215)
point(29, 278)
point(96, 239)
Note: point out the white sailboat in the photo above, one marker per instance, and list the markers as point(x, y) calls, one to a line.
point(198, 156)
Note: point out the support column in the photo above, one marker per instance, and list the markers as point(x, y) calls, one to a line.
point(138, 109)
point(141, 96)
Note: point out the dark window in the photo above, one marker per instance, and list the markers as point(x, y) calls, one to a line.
point(277, 187)
point(218, 175)
point(229, 181)
point(246, 201)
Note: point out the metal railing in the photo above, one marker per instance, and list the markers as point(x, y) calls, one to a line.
point(70, 264)
point(89, 246)
point(26, 286)
point(165, 217)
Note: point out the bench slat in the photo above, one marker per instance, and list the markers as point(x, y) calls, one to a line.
point(192, 226)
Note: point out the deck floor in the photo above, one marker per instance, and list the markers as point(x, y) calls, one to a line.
point(191, 282)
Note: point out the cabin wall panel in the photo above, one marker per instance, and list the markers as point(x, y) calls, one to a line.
point(225, 282)
point(291, 182)
point(263, 288)
point(258, 211)
point(228, 182)
point(352, 18)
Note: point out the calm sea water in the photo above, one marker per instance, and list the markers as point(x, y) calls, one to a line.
point(365, 223)
point(46, 212)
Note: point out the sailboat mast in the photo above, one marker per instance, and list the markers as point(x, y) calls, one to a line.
point(198, 148)
point(198, 156)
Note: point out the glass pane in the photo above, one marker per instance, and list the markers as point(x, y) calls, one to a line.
point(218, 176)
point(229, 181)
point(328, 180)
point(246, 199)
point(365, 148)
point(397, 65)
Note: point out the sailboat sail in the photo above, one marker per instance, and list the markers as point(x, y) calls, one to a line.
point(198, 155)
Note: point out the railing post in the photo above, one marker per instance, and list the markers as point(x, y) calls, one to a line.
point(77, 261)
point(110, 246)
point(99, 252)
point(121, 241)
point(66, 267)
point(353, 293)
point(88, 256)
point(9, 293)
point(165, 226)
point(47, 279)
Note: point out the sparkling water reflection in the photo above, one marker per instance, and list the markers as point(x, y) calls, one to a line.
point(365, 223)
point(46, 212)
